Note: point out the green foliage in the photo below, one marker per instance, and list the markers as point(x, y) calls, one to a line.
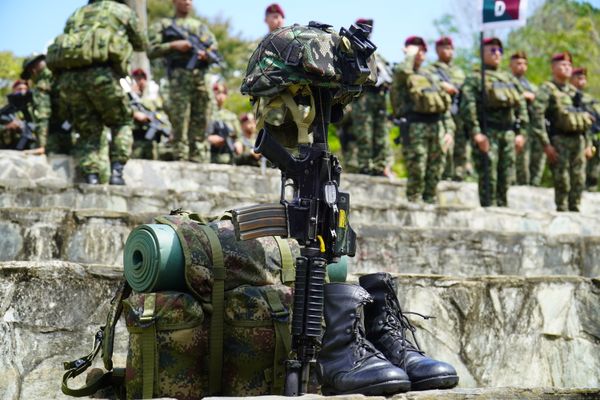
point(10, 69)
point(557, 26)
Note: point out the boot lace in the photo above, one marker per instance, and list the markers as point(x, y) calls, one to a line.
point(364, 349)
point(398, 322)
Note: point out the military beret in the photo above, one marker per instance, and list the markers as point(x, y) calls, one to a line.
point(491, 41)
point(580, 71)
point(19, 82)
point(444, 41)
point(275, 8)
point(564, 56)
point(415, 41)
point(139, 72)
point(246, 117)
point(365, 21)
point(519, 54)
point(220, 87)
point(29, 62)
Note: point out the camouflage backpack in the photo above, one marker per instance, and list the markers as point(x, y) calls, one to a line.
point(226, 333)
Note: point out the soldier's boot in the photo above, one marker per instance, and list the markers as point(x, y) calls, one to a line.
point(116, 173)
point(387, 327)
point(92, 179)
point(348, 363)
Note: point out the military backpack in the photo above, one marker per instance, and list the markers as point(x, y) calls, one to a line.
point(427, 97)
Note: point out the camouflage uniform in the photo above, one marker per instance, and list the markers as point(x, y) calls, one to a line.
point(143, 148)
point(93, 96)
point(500, 124)
point(525, 159)
point(569, 170)
point(347, 139)
point(188, 97)
point(593, 164)
point(423, 152)
point(247, 156)
point(223, 154)
point(369, 128)
point(457, 156)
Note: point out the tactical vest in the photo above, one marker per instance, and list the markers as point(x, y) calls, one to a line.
point(500, 91)
point(89, 44)
point(219, 325)
point(569, 117)
point(426, 96)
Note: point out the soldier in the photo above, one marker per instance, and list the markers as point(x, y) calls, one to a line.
point(531, 157)
point(188, 97)
point(457, 155)
point(369, 126)
point(566, 142)
point(92, 94)
point(423, 101)
point(150, 106)
point(274, 17)
point(591, 105)
point(493, 128)
point(248, 156)
point(223, 131)
point(13, 123)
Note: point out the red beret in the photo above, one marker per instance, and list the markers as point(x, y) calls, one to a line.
point(518, 55)
point(415, 41)
point(19, 82)
point(491, 41)
point(275, 8)
point(444, 41)
point(580, 71)
point(219, 86)
point(365, 21)
point(139, 72)
point(246, 117)
point(564, 56)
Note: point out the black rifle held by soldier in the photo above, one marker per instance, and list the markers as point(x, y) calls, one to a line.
point(19, 103)
point(316, 216)
point(221, 129)
point(157, 125)
point(403, 125)
point(176, 32)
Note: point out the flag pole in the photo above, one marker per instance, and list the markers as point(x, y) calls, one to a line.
point(485, 159)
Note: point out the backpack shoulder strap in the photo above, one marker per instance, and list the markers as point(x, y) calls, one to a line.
point(283, 338)
point(288, 273)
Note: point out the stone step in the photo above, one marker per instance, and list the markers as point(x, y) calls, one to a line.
point(183, 178)
point(497, 331)
point(98, 236)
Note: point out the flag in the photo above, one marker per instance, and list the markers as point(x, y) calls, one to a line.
point(502, 13)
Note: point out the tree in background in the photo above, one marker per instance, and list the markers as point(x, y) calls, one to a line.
point(10, 69)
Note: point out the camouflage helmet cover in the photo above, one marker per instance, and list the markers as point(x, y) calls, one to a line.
point(312, 55)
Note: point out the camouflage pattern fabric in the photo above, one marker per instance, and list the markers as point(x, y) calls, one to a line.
point(569, 171)
point(593, 165)
point(424, 159)
point(500, 123)
point(95, 99)
point(188, 97)
point(523, 159)
point(42, 85)
point(455, 164)
point(223, 155)
point(369, 125)
point(423, 153)
point(247, 156)
point(142, 148)
point(181, 345)
point(10, 138)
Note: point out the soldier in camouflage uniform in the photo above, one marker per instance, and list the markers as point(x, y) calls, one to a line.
point(457, 155)
point(274, 17)
point(188, 97)
point(248, 138)
point(92, 95)
point(518, 66)
point(223, 130)
point(369, 125)
point(566, 142)
point(591, 105)
point(423, 100)
point(10, 133)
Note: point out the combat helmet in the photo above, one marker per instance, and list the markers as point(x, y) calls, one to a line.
point(292, 62)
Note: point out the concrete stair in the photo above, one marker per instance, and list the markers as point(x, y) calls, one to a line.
point(514, 291)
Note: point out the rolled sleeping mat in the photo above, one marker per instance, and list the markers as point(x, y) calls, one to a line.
point(153, 259)
point(338, 271)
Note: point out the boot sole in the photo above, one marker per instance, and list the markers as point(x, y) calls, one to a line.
point(384, 388)
point(440, 382)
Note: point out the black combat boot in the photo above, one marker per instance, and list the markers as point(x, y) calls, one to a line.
point(92, 179)
point(116, 174)
point(387, 327)
point(348, 363)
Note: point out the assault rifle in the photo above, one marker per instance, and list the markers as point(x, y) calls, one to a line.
point(158, 125)
point(220, 128)
point(19, 102)
point(402, 124)
point(315, 213)
point(175, 32)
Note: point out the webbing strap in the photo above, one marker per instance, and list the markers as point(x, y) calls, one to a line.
point(288, 273)
point(216, 322)
point(148, 346)
point(283, 339)
point(303, 123)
